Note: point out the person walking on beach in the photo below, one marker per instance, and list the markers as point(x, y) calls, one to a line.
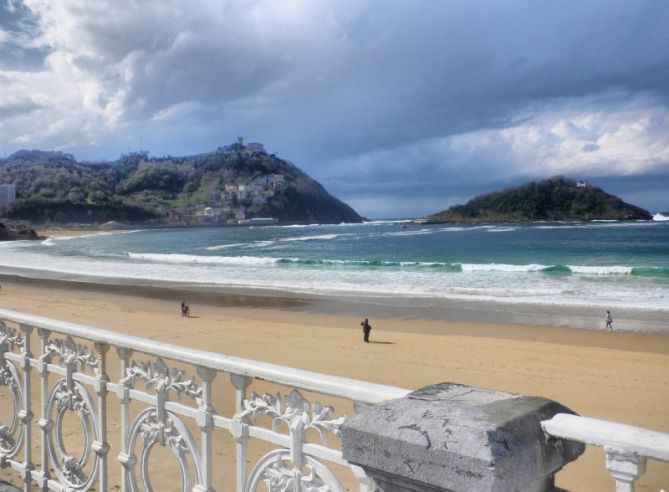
point(609, 321)
point(185, 310)
point(366, 328)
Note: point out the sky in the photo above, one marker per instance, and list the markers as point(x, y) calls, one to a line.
point(398, 107)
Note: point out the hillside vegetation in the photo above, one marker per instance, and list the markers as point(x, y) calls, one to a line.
point(558, 198)
point(231, 184)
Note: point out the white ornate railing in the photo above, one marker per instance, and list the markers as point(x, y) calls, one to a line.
point(71, 366)
point(292, 443)
point(627, 447)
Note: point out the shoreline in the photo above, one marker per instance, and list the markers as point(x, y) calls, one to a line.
point(410, 308)
point(578, 317)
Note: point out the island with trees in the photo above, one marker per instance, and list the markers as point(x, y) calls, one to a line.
point(555, 199)
point(235, 184)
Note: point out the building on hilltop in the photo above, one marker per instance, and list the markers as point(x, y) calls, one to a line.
point(255, 147)
point(7, 194)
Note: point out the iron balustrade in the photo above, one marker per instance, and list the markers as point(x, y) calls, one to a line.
point(78, 356)
point(70, 372)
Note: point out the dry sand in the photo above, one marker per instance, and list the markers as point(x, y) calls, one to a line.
point(619, 376)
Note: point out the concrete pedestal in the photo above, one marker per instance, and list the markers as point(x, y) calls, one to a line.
point(450, 437)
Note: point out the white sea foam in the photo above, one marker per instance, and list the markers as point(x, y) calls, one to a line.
point(212, 260)
point(479, 282)
point(600, 270)
point(224, 246)
point(409, 232)
point(502, 229)
point(501, 267)
point(658, 217)
point(382, 222)
point(322, 237)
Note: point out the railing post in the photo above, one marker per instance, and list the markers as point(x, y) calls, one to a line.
point(366, 482)
point(456, 438)
point(26, 415)
point(626, 468)
point(101, 448)
point(205, 421)
point(44, 422)
point(240, 430)
point(123, 394)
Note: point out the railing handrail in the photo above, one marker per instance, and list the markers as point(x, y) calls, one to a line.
point(610, 435)
point(356, 390)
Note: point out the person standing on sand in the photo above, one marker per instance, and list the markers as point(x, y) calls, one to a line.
point(366, 328)
point(609, 321)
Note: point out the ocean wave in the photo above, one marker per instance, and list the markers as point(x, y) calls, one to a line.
point(224, 246)
point(650, 272)
point(405, 265)
point(502, 229)
point(454, 267)
point(595, 224)
point(501, 267)
point(417, 232)
point(601, 270)
point(322, 237)
point(174, 258)
point(658, 217)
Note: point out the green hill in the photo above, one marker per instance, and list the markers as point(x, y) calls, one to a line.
point(558, 198)
point(230, 185)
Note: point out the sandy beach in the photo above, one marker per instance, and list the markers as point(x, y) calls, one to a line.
point(619, 376)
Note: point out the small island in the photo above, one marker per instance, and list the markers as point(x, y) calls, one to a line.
point(557, 198)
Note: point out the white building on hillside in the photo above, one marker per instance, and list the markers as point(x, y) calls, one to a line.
point(7, 194)
point(255, 147)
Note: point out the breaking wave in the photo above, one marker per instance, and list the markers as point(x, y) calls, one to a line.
point(174, 258)
point(322, 237)
point(445, 267)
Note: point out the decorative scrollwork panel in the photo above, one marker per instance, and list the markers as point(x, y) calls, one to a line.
point(11, 434)
point(149, 430)
point(9, 337)
point(291, 409)
point(71, 354)
point(163, 378)
point(277, 472)
point(72, 397)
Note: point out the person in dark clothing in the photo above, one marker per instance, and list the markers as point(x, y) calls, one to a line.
point(366, 328)
point(185, 310)
point(609, 321)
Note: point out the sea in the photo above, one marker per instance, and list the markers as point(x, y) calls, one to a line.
point(552, 267)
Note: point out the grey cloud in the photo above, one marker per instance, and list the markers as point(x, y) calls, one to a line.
point(18, 50)
point(13, 109)
point(591, 147)
point(367, 95)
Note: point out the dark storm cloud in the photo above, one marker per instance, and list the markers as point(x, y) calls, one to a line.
point(17, 28)
point(383, 102)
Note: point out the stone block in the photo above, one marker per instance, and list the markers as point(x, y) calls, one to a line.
point(451, 437)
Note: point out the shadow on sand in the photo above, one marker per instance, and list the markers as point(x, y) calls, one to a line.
point(384, 343)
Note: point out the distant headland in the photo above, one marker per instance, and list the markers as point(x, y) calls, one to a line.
point(234, 184)
point(557, 198)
